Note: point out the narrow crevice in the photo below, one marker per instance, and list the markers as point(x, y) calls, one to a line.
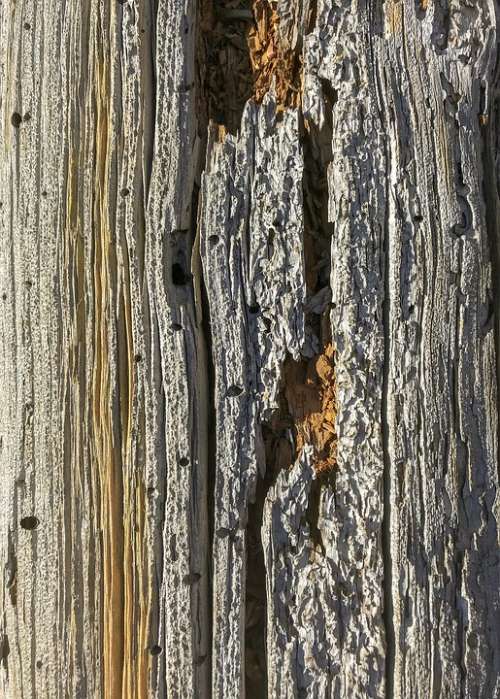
point(202, 104)
point(148, 15)
point(186, 270)
point(388, 613)
point(255, 596)
point(4, 652)
point(489, 138)
point(156, 486)
point(309, 384)
point(322, 480)
point(381, 80)
point(211, 458)
point(280, 450)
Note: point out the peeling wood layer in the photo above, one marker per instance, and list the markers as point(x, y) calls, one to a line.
point(249, 349)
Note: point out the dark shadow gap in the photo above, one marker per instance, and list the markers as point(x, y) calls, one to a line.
point(490, 141)
point(211, 458)
point(224, 67)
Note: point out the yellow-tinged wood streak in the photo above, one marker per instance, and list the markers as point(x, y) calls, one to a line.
point(136, 658)
point(122, 498)
point(394, 16)
point(107, 453)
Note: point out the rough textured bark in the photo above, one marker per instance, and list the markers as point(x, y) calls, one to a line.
point(249, 430)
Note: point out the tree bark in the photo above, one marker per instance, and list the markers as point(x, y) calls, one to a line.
point(249, 260)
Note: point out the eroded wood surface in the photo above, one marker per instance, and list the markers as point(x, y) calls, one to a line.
point(176, 297)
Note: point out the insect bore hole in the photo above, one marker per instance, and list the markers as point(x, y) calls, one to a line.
point(29, 522)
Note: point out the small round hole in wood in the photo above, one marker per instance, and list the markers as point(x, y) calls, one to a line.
point(30, 522)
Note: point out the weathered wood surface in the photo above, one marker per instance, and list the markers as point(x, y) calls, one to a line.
point(175, 519)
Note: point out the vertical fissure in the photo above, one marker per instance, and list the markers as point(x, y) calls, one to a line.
point(207, 365)
point(211, 458)
point(223, 86)
point(148, 14)
point(492, 213)
point(388, 613)
point(205, 112)
point(380, 79)
point(307, 400)
point(255, 594)
point(387, 514)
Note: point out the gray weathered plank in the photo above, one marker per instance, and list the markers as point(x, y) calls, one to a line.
point(157, 353)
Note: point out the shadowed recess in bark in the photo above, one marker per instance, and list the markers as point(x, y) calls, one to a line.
point(256, 602)
point(241, 57)
point(310, 383)
point(223, 61)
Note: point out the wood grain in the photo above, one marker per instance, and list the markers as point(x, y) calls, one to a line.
point(169, 286)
